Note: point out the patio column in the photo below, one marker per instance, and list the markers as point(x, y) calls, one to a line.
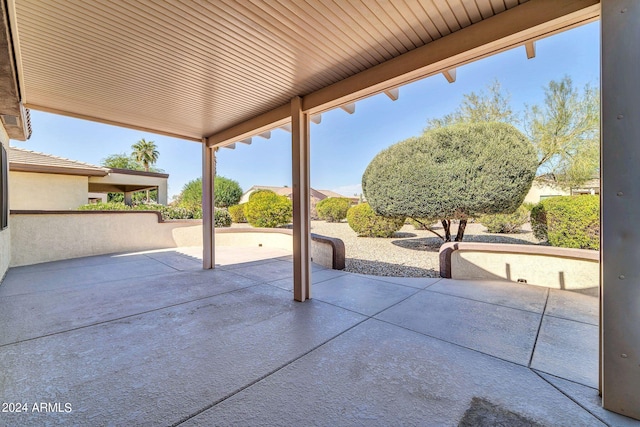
point(301, 201)
point(620, 208)
point(128, 198)
point(208, 196)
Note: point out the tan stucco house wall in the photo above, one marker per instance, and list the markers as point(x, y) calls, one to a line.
point(43, 191)
point(540, 190)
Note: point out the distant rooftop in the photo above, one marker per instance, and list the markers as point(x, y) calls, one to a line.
point(22, 160)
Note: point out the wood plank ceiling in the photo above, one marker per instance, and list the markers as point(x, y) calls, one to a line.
point(192, 68)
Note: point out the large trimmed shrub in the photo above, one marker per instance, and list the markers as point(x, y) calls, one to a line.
point(237, 213)
point(454, 172)
point(333, 209)
point(227, 192)
point(505, 223)
point(366, 223)
point(267, 209)
point(568, 221)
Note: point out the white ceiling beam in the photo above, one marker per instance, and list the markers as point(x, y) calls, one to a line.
point(530, 47)
point(230, 146)
point(393, 94)
point(514, 27)
point(246, 141)
point(286, 127)
point(349, 108)
point(265, 134)
point(450, 75)
point(316, 118)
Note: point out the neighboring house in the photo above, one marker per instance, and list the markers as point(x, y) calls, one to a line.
point(40, 181)
point(544, 188)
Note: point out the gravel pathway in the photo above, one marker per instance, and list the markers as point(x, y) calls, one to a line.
point(410, 253)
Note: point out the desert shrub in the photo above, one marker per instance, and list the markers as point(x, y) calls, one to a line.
point(227, 192)
point(110, 206)
point(267, 209)
point(366, 223)
point(221, 218)
point(453, 172)
point(167, 212)
point(333, 209)
point(237, 213)
point(529, 206)
point(505, 223)
point(259, 191)
point(568, 221)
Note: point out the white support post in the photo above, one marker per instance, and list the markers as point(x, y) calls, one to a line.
point(620, 208)
point(301, 201)
point(208, 196)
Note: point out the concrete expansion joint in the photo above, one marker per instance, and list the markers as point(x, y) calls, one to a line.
point(567, 395)
point(535, 342)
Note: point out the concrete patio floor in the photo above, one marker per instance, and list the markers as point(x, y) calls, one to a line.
point(152, 339)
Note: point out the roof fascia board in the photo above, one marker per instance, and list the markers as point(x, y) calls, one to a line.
point(138, 173)
point(56, 170)
point(527, 22)
point(111, 122)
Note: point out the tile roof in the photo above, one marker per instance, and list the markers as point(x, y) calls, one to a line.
point(31, 161)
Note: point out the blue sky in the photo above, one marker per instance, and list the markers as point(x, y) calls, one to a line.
point(342, 145)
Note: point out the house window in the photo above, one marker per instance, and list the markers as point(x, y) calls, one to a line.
point(4, 189)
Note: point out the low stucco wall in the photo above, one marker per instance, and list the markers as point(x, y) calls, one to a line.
point(326, 251)
point(559, 268)
point(50, 236)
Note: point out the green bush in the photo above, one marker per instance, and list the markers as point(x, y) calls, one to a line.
point(110, 206)
point(366, 223)
point(267, 209)
point(227, 192)
point(237, 213)
point(221, 218)
point(568, 221)
point(505, 223)
point(167, 212)
point(333, 209)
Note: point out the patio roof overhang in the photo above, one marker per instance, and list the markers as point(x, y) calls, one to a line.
point(227, 70)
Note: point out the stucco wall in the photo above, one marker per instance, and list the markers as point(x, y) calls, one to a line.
point(64, 235)
point(5, 235)
point(559, 268)
point(43, 191)
point(541, 190)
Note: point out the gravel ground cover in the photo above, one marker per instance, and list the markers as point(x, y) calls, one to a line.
point(410, 253)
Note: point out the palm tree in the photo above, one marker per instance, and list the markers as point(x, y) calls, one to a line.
point(146, 153)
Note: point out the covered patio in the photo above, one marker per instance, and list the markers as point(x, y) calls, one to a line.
point(229, 345)
point(152, 339)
